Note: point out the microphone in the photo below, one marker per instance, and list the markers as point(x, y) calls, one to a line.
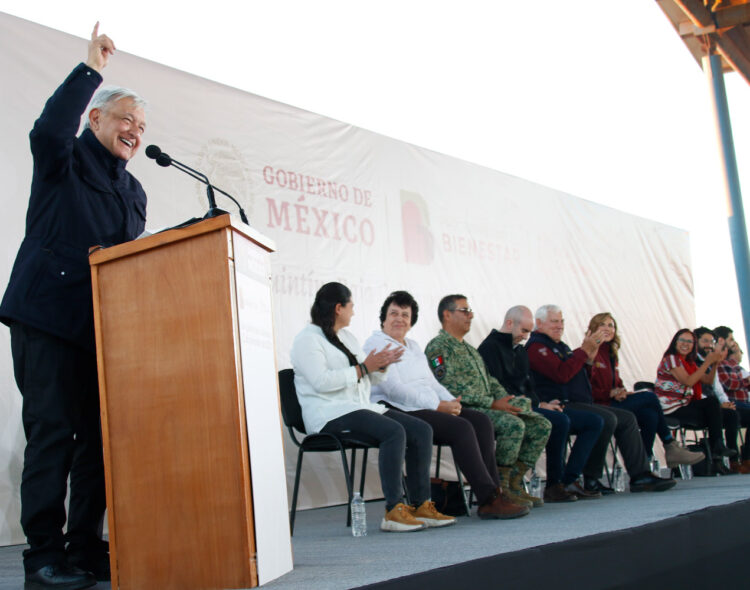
point(163, 159)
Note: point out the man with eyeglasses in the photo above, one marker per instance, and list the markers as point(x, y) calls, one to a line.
point(81, 196)
point(559, 373)
point(521, 433)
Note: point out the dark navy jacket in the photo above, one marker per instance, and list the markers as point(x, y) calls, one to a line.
point(558, 372)
point(81, 196)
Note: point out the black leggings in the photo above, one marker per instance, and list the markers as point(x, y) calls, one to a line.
point(704, 413)
point(400, 436)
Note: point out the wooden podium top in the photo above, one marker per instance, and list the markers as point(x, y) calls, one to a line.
point(175, 235)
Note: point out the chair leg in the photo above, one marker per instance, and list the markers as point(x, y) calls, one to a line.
point(300, 455)
point(350, 484)
point(437, 461)
point(364, 471)
point(467, 500)
point(610, 473)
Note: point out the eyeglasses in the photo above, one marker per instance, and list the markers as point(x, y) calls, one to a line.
point(466, 310)
point(684, 341)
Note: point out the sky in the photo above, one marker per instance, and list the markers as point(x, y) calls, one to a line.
point(597, 98)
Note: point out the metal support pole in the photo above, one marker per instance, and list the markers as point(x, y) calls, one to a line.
point(737, 229)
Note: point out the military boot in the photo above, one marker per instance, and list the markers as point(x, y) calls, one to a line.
point(505, 479)
point(516, 485)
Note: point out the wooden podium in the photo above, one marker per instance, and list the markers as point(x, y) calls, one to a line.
point(193, 456)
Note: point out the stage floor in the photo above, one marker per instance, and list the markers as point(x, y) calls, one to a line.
point(327, 556)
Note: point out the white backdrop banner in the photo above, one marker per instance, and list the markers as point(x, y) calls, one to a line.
point(346, 204)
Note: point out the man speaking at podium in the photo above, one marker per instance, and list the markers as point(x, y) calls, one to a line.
point(81, 196)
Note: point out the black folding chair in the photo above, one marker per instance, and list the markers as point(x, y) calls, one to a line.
point(318, 443)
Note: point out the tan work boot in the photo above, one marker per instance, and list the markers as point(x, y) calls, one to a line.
point(428, 514)
point(400, 519)
point(505, 476)
point(677, 455)
point(516, 484)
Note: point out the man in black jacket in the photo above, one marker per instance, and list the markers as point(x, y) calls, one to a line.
point(81, 196)
point(506, 359)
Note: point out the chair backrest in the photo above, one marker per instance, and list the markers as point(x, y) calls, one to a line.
point(290, 409)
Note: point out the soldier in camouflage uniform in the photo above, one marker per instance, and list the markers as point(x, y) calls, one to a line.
point(521, 433)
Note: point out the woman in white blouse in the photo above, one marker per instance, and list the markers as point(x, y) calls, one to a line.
point(332, 377)
point(411, 387)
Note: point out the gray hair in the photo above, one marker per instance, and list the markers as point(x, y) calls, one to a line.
point(106, 95)
point(516, 313)
point(543, 312)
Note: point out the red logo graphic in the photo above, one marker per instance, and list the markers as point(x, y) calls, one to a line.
point(419, 245)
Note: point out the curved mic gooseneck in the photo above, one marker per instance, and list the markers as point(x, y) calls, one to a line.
point(165, 160)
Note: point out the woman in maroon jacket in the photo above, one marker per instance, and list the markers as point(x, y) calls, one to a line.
point(608, 390)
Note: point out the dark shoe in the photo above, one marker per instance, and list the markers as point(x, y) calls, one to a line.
point(721, 469)
point(501, 507)
point(737, 467)
point(594, 485)
point(648, 482)
point(723, 451)
point(97, 565)
point(60, 577)
point(575, 488)
point(558, 493)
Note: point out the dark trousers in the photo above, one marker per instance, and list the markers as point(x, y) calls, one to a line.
point(647, 409)
point(703, 413)
point(471, 437)
point(400, 437)
point(731, 421)
point(623, 425)
point(743, 409)
point(58, 382)
point(586, 427)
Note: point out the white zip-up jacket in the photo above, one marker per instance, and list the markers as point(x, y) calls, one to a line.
point(409, 385)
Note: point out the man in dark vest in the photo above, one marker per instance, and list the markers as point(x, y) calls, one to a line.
point(559, 373)
point(81, 196)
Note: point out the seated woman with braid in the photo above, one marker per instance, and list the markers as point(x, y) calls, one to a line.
point(333, 378)
point(411, 388)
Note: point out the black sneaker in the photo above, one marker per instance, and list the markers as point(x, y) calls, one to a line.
point(594, 485)
point(649, 482)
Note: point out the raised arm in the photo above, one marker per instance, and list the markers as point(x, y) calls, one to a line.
point(101, 48)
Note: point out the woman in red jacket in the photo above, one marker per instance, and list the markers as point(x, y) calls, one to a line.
point(608, 390)
point(679, 387)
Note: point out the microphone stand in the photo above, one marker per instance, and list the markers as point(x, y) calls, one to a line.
point(213, 211)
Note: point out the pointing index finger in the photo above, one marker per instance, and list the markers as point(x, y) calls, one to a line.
point(95, 32)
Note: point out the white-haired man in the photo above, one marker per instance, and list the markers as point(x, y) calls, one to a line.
point(81, 196)
point(559, 373)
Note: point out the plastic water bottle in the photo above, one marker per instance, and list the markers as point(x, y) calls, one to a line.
point(535, 485)
point(619, 478)
point(359, 516)
point(686, 471)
